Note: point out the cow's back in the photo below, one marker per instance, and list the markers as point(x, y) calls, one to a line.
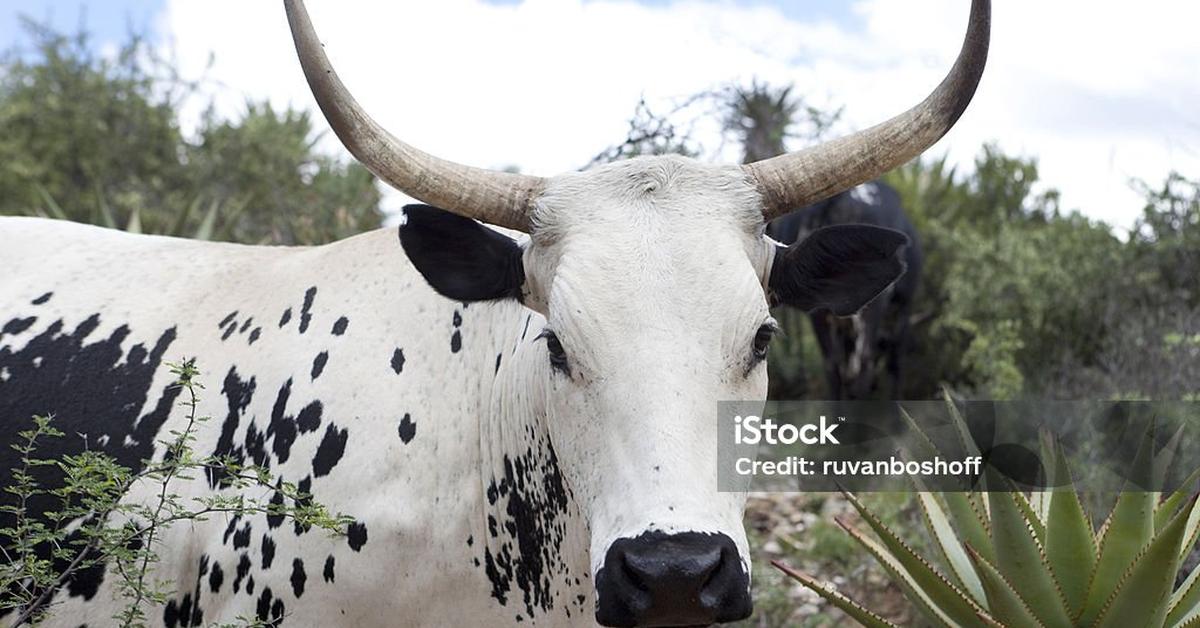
point(334, 366)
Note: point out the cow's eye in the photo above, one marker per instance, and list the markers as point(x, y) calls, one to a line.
point(558, 356)
point(762, 339)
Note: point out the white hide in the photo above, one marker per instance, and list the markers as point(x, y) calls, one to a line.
point(650, 271)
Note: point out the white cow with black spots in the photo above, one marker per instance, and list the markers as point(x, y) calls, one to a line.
point(523, 429)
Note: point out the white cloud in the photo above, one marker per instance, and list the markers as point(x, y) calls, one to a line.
point(1099, 91)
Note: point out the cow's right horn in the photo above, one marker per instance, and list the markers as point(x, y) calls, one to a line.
point(499, 198)
point(803, 177)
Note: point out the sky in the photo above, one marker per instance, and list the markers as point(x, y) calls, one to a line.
point(1099, 91)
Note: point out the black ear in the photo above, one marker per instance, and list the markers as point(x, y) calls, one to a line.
point(462, 259)
point(839, 268)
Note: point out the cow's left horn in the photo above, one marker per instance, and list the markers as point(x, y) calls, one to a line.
point(791, 181)
point(499, 198)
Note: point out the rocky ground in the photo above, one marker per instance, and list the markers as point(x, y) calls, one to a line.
point(800, 530)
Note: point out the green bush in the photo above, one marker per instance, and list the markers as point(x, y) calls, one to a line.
point(96, 139)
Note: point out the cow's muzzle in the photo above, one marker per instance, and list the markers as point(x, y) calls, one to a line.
point(660, 579)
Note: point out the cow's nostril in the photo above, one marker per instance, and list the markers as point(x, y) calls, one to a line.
point(712, 572)
point(636, 577)
point(660, 579)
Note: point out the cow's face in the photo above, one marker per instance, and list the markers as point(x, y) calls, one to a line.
point(655, 305)
point(655, 281)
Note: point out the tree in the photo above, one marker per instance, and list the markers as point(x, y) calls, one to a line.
point(97, 139)
point(1011, 285)
point(763, 118)
point(85, 131)
point(1166, 241)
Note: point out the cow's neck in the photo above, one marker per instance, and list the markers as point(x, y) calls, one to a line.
point(535, 540)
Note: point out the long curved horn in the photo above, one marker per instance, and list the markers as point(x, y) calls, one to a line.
point(499, 198)
point(791, 181)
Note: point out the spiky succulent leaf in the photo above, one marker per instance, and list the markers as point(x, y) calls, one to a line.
point(1020, 560)
point(967, 441)
point(208, 223)
point(1183, 601)
point(1003, 601)
point(1141, 596)
point(182, 217)
point(901, 577)
point(948, 544)
point(1031, 517)
point(960, 425)
point(957, 604)
point(970, 520)
point(922, 447)
point(848, 606)
point(135, 221)
point(1166, 509)
point(1190, 533)
point(52, 208)
point(1040, 501)
point(106, 214)
point(1070, 544)
point(1128, 529)
point(1165, 458)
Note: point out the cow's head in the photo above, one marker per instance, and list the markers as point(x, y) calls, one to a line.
point(656, 282)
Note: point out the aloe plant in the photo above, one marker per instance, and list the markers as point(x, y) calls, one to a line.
point(1005, 558)
point(206, 230)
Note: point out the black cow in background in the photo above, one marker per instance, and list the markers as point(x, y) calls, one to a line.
point(853, 347)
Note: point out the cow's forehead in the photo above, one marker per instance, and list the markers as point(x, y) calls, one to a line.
point(667, 197)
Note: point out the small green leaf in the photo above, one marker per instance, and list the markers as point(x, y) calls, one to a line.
point(848, 606)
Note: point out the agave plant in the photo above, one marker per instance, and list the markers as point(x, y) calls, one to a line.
point(1004, 558)
point(104, 217)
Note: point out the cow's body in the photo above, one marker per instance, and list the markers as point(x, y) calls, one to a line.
point(851, 348)
point(396, 442)
point(429, 421)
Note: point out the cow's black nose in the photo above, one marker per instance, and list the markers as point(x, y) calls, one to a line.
point(660, 579)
